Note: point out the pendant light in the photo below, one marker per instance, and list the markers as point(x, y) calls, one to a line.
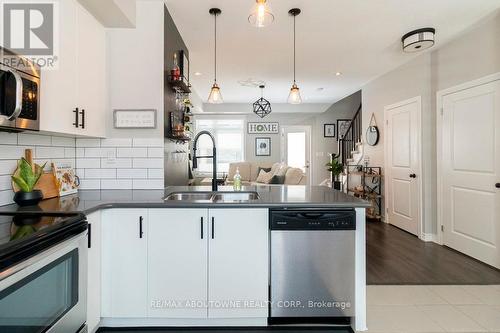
point(294, 96)
point(215, 96)
point(262, 107)
point(261, 15)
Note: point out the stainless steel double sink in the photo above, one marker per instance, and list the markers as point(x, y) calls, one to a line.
point(207, 197)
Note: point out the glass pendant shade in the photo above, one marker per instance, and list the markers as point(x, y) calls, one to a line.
point(261, 15)
point(294, 96)
point(215, 96)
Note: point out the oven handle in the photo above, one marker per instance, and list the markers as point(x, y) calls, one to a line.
point(19, 95)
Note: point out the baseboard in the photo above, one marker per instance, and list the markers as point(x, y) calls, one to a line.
point(429, 237)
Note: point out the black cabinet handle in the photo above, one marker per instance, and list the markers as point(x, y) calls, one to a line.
point(83, 118)
point(413, 175)
point(497, 185)
point(89, 234)
point(213, 227)
point(140, 226)
point(77, 118)
point(201, 224)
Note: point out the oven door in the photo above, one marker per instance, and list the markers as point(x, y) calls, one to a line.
point(46, 293)
point(11, 94)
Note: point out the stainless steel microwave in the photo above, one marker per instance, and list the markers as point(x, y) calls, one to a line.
point(19, 93)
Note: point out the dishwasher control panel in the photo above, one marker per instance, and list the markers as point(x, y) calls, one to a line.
point(313, 219)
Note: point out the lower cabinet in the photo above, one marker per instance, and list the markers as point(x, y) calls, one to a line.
point(94, 272)
point(124, 263)
point(186, 263)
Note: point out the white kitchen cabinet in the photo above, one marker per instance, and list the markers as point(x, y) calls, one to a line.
point(94, 272)
point(177, 263)
point(80, 79)
point(238, 262)
point(124, 263)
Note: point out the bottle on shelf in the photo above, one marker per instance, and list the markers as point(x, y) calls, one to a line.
point(175, 72)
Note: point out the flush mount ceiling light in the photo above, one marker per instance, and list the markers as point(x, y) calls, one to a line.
point(262, 107)
point(261, 15)
point(294, 96)
point(215, 96)
point(418, 40)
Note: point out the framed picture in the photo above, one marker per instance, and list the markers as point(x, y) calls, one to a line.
point(263, 128)
point(134, 119)
point(262, 146)
point(342, 127)
point(329, 130)
point(184, 65)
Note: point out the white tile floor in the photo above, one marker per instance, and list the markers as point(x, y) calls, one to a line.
point(433, 309)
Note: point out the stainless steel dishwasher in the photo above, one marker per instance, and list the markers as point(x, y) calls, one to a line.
point(312, 264)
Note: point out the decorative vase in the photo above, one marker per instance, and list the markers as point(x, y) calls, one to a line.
point(28, 198)
point(337, 185)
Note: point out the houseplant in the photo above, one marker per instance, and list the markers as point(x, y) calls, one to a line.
point(26, 177)
point(336, 168)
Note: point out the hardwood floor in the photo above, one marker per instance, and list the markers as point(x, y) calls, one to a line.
point(230, 329)
point(394, 256)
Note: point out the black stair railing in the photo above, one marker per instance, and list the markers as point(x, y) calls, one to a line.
point(347, 143)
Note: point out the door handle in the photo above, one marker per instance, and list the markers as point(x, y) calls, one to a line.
point(497, 185)
point(140, 227)
point(89, 240)
point(412, 175)
point(77, 118)
point(213, 227)
point(19, 96)
point(83, 118)
point(201, 224)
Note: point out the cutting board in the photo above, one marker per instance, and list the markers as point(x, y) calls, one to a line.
point(47, 182)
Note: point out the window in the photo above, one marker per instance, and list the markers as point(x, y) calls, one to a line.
point(229, 136)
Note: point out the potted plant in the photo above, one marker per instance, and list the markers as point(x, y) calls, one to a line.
point(336, 168)
point(26, 177)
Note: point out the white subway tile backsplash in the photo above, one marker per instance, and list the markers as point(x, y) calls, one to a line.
point(33, 139)
point(80, 152)
point(148, 184)
point(11, 152)
point(6, 197)
point(69, 153)
point(100, 173)
point(8, 138)
point(117, 142)
point(148, 163)
point(116, 184)
point(88, 142)
point(132, 173)
point(100, 152)
point(80, 173)
point(116, 163)
point(132, 152)
point(155, 173)
point(7, 167)
point(49, 152)
point(59, 141)
point(88, 163)
point(5, 183)
point(90, 184)
point(149, 142)
point(155, 152)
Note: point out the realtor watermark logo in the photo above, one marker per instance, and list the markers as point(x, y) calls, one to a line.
point(31, 29)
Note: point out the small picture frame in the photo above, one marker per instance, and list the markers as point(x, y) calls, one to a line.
point(262, 146)
point(329, 130)
point(184, 65)
point(342, 127)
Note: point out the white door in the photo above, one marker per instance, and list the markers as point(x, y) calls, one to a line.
point(296, 148)
point(177, 264)
point(238, 263)
point(94, 272)
point(124, 264)
point(403, 158)
point(470, 169)
point(91, 73)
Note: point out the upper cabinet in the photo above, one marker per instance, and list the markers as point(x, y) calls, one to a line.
point(73, 96)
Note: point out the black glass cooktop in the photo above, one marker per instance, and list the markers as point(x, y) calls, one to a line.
point(25, 234)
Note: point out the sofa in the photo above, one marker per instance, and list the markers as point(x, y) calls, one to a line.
point(249, 173)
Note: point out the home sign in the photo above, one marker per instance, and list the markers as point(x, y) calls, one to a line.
point(263, 128)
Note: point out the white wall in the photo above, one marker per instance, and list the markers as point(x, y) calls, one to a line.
point(473, 55)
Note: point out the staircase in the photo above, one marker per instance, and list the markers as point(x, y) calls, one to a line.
point(350, 144)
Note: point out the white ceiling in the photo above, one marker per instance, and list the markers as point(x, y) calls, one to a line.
point(360, 38)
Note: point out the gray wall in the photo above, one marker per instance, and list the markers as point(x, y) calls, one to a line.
point(473, 55)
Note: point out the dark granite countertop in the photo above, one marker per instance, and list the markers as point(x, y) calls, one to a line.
point(89, 201)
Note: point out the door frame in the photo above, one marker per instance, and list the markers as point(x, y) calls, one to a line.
point(420, 222)
point(283, 154)
point(439, 140)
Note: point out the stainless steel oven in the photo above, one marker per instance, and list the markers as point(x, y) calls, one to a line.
point(19, 93)
point(47, 292)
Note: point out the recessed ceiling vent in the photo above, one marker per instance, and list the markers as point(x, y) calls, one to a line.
point(418, 40)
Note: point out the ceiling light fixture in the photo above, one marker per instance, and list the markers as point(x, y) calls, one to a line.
point(197, 74)
point(294, 96)
point(262, 107)
point(418, 40)
point(261, 15)
point(338, 73)
point(215, 96)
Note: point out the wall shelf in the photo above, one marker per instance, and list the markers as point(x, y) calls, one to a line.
point(371, 188)
point(180, 86)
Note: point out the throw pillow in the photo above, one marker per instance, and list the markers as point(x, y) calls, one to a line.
point(281, 170)
point(265, 169)
point(264, 177)
point(277, 180)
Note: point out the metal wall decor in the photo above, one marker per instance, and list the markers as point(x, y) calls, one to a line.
point(372, 133)
point(262, 107)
